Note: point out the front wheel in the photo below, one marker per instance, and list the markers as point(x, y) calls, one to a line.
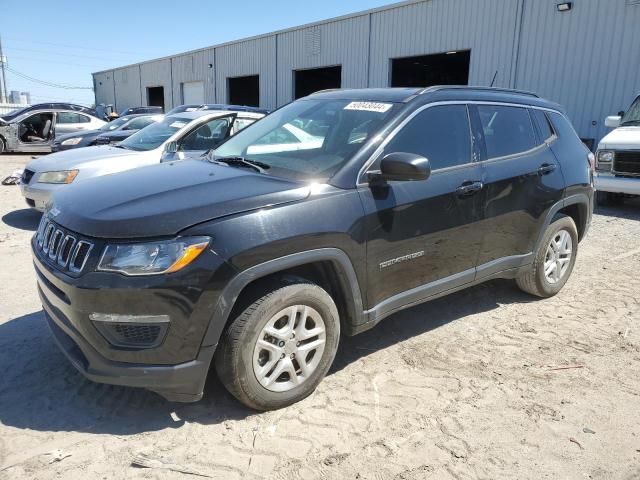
point(554, 260)
point(280, 346)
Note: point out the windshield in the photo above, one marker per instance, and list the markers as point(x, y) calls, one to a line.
point(118, 122)
point(184, 108)
point(632, 117)
point(309, 139)
point(155, 135)
point(14, 113)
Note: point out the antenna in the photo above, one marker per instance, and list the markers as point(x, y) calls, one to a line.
point(494, 78)
point(4, 98)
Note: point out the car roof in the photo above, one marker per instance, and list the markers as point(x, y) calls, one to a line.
point(213, 114)
point(400, 94)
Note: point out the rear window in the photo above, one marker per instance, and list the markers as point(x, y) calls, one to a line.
point(507, 130)
point(544, 127)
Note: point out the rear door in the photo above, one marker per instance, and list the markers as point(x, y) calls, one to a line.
point(422, 235)
point(522, 180)
point(69, 122)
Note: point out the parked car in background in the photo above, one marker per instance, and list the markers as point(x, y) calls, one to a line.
point(175, 137)
point(34, 128)
point(120, 128)
point(138, 122)
point(618, 157)
point(255, 264)
point(216, 106)
point(48, 106)
point(144, 109)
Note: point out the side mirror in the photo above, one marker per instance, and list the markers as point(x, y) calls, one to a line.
point(402, 167)
point(613, 121)
point(171, 147)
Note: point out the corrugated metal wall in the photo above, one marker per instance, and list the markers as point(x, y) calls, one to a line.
point(586, 59)
point(127, 87)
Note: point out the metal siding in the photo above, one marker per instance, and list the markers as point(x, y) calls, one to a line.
point(194, 68)
point(253, 57)
point(127, 83)
point(104, 88)
point(585, 59)
point(436, 26)
point(157, 74)
point(343, 42)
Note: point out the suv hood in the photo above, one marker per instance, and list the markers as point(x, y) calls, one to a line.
point(70, 159)
point(621, 138)
point(161, 200)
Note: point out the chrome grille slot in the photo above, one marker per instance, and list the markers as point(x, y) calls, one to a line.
point(79, 256)
point(54, 243)
point(47, 237)
point(63, 249)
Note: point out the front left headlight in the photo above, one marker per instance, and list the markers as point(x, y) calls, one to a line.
point(72, 141)
point(62, 176)
point(152, 258)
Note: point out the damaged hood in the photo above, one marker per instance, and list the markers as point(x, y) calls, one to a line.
point(161, 200)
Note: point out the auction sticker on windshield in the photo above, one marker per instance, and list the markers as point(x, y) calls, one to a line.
point(369, 106)
point(177, 124)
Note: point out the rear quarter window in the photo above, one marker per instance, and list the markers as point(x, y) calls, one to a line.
point(507, 130)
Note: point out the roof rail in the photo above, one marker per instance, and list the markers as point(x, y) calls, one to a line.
point(437, 88)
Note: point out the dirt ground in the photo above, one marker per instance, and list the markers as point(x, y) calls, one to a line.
point(469, 386)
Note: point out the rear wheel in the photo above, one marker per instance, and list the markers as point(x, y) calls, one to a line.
point(554, 260)
point(280, 346)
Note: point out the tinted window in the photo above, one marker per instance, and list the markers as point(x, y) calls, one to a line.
point(139, 123)
point(544, 127)
point(70, 117)
point(206, 136)
point(440, 134)
point(507, 130)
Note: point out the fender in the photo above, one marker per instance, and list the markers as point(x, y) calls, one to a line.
point(228, 297)
point(576, 199)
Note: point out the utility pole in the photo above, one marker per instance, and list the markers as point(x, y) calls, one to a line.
point(4, 97)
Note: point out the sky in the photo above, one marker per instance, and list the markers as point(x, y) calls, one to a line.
point(63, 42)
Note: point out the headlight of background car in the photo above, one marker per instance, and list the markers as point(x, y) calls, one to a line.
point(62, 176)
point(605, 160)
point(152, 258)
point(72, 141)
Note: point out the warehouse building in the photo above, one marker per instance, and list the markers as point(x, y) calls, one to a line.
point(584, 54)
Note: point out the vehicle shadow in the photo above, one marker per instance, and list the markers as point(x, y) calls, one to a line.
point(629, 210)
point(40, 390)
point(23, 219)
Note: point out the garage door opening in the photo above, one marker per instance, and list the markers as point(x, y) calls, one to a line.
point(451, 68)
point(244, 90)
point(312, 80)
point(155, 97)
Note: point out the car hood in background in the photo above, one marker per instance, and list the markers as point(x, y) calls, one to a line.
point(78, 134)
point(71, 159)
point(622, 138)
point(161, 200)
point(118, 134)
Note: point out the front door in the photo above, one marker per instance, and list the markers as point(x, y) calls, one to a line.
point(35, 133)
point(422, 236)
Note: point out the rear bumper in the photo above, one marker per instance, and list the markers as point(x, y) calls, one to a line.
point(607, 182)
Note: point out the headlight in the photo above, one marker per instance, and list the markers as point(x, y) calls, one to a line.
point(72, 141)
point(62, 176)
point(605, 160)
point(152, 258)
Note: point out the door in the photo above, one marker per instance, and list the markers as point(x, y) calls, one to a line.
point(522, 180)
point(192, 93)
point(69, 122)
point(422, 235)
point(35, 133)
point(202, 138)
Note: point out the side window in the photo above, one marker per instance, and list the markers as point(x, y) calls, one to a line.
point(544, 127)
point(206, 136)
point(242, 123)
point(507, 130)
point(440, 134)
point(72, 117)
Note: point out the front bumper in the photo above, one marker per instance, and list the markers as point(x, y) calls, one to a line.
point(607, 182)
point(38, 195)
point(176, 369)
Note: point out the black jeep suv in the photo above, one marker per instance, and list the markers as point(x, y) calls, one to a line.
point(321, 219)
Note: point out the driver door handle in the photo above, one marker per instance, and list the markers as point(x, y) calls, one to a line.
point(469, 188)
point(546, 168)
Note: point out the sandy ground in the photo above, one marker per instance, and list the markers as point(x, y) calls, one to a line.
point(465, 387)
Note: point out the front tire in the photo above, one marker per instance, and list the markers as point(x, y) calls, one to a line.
point(554, 259)
point(3, 146)
point(280, 344)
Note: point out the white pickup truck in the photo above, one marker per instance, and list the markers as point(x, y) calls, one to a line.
point(618, 157)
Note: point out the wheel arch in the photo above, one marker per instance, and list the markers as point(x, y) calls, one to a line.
point(579, 207)
point(330, 268)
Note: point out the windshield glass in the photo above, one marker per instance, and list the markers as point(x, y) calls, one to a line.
point(184, 108)
point(155, 135)
point(309, 139)
point(14, 113)
point(110, 126)
point(632, 117)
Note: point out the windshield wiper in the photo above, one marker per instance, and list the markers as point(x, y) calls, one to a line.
point(630, 122)
point(241, 161)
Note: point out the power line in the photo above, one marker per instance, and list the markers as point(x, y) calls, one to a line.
point(57, 62)
point(46, 83)
point(79, 48)
point(56, 53)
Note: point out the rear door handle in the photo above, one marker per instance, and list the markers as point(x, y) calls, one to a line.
point(546, 168)
point(469, 188)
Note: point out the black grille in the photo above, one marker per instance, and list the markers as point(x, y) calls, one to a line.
point(62, 248)
point(27, 175)
point(102, 141)
point(627, 163)
point(133, 335)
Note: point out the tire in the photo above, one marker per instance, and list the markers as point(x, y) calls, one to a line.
point(240, 360)
point(2, 146)
point(535, 281)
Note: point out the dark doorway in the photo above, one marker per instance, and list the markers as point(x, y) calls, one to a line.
point(314, 79)
point(244, 90)
point(451, 68)
point(155, 97)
